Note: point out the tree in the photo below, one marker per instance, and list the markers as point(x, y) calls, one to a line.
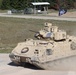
point(22, 4)
point(70, 3)
point(5, 4)
point(0, 3)
point(19, 4)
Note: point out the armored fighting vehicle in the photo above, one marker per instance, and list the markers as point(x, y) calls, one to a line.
point(41, 52)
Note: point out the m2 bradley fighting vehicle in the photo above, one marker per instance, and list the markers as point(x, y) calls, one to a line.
point(42, 52)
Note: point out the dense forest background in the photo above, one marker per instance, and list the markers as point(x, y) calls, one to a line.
point(22, 4)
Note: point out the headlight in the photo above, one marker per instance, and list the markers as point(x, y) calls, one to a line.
point(11, 55)
point(24, 50)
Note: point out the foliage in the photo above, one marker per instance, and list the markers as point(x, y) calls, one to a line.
point(15, 4)
point(19, 4)
point(70, 3)
point(0, 3)
point(5, 4)
point(22, 4)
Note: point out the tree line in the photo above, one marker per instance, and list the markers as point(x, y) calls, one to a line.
point(22, 4)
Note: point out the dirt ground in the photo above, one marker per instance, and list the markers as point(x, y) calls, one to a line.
point(8, 68)
point(68, 14)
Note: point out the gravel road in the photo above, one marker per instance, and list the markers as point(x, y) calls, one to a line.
point(39, 17)
point(8, 68)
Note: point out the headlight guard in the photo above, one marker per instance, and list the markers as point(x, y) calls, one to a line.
point(24, 50)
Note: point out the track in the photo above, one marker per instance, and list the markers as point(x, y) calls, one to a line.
point(64, 64)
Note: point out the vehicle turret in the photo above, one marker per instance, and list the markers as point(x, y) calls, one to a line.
point(51, 32)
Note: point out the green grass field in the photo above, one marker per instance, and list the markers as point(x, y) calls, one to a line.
point(14, 30)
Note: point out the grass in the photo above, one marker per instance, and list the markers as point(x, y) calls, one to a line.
point(3, 11)
point(6, 51)
point(71, 10)
point(14, 30)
